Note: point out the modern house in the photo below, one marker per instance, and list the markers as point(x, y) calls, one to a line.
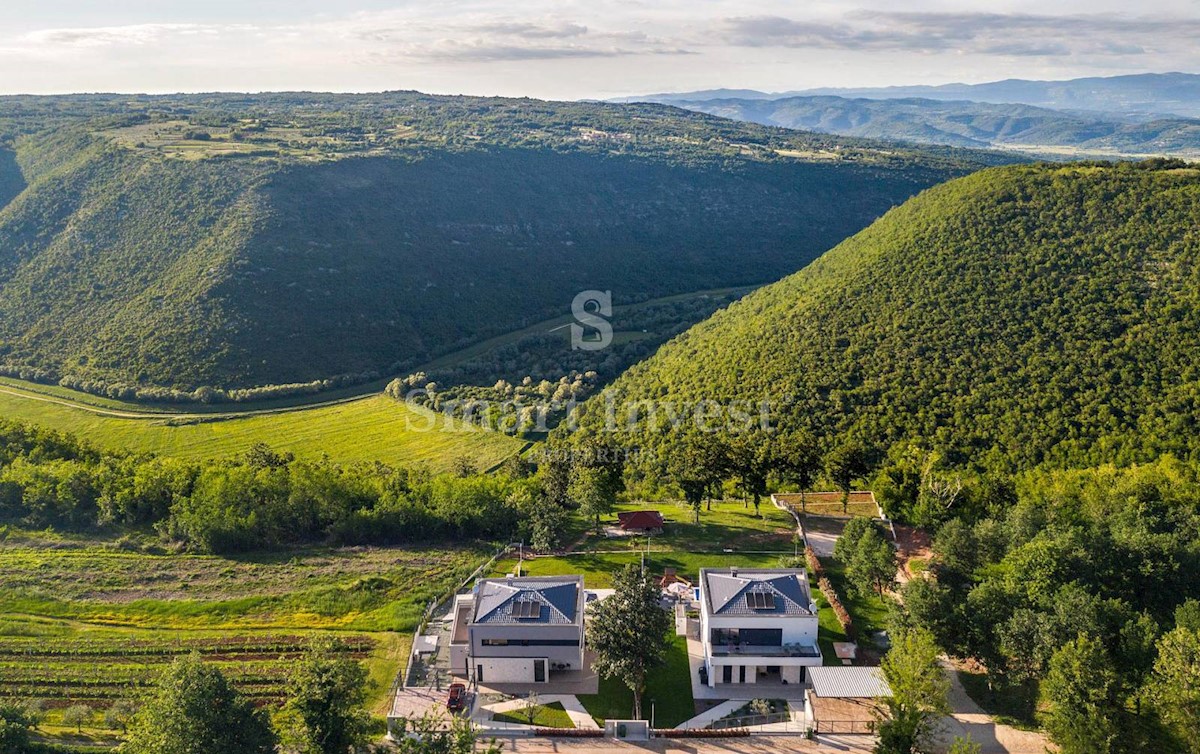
point(640, 521)
point(757, 626)
point(518, 630)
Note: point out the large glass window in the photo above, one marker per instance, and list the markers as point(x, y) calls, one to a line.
point(748, 637)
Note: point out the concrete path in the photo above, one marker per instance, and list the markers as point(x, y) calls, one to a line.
point(704, 719)
point(967, 718)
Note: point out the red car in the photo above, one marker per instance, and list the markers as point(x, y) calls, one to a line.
point(458, 697)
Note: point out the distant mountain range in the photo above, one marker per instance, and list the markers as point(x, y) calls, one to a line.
point(1147, 114)
point(1141, 95)
point(965, 124)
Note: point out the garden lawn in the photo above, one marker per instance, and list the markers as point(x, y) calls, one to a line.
point(1011, 704)
point(551, 715)
point(668, 689)
point(729, 525)
point(829, 629)
point(869, 611)
point(597, 569)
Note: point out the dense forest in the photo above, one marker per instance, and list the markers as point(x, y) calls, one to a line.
point(1019, 317)
point(1080, 597)
point(188, 247)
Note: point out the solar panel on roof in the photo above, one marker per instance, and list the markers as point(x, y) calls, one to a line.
point(760, 600)
point(525, 609)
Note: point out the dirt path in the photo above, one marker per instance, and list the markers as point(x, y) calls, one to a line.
point(967, 718)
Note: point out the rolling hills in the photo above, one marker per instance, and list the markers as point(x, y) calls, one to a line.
point(1020, 316)
point(965, 124)
point(204, 243)
point(1142, 94)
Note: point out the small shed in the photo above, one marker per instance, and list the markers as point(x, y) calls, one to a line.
point(640, 520)
point(845, 699)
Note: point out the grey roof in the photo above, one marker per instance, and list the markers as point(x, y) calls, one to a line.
point(558, 595)
point(725, 592)
point(848, 682)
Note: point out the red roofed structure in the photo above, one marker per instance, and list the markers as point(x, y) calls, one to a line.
point(641, 521)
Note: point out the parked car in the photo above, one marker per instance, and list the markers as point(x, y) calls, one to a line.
point(457, 700)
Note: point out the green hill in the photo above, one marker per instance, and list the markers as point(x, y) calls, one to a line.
point(1019, 316)
point(237, 241)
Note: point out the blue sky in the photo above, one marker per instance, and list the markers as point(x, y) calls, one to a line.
point(572, 49)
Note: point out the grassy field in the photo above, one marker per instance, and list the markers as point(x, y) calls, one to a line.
point(371, 429)
point(91, 621)
point(730, 524)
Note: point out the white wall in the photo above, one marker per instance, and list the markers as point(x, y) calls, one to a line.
point(506, 669)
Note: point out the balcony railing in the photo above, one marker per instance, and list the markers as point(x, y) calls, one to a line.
point(756, 650)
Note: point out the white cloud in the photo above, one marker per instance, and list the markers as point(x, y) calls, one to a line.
point(573, 48)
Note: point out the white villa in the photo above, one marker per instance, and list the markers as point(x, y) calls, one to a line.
point(519, 630)
point(757, 626)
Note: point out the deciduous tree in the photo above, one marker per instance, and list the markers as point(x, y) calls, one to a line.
point(629, 632)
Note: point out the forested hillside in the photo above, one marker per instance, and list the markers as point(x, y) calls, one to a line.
point(1020, 316)
point(239, 241)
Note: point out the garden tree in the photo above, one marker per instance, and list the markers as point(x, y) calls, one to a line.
point(530, 706)
point(845, 464)
point(1174, 685)
point(15, 725)
point(78, 715)
point(714, 464)
point(919, 694)
point(1085, 712)
point(326, 696)
point(752, 456)
point(120, 714)
point(592, 488)
point(799, 461)
point(874, 564)
point(686, 468)
point(868, 557)
point(629, 632)
point(433, 734)
point(596, 479)
point(195, 710)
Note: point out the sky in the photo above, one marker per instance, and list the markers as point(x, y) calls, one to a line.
point(572, 49)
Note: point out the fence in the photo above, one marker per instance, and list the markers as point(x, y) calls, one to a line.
point(829, 727)
point(751, 721)
point(413, 665)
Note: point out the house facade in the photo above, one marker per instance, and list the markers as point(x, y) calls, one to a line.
point(518, 630)
point(757, 625)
